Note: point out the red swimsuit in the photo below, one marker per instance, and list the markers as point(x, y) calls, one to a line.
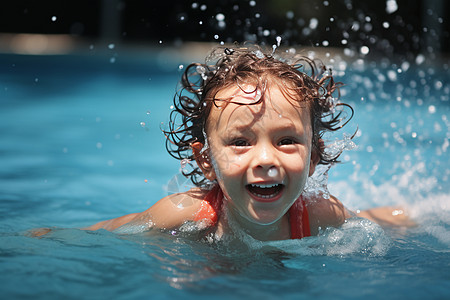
point(298, 214)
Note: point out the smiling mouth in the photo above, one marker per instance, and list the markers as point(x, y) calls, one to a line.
point(265, 192)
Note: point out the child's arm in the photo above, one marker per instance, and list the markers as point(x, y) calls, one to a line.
point(387, 216)
point(169, 212)
point(324, 213)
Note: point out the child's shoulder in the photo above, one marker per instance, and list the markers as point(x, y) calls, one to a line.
point(325, 212)
point(173, 210)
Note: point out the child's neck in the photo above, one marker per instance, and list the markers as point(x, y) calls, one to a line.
point(279, 230)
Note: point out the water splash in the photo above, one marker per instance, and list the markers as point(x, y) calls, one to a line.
point(337, 147)
point(317, 184)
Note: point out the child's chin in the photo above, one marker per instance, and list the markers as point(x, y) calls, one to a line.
point(264, 218)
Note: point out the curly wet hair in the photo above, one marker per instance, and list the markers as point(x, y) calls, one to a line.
point(303, 79)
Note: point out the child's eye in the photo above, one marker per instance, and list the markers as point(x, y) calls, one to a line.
point(240, 143)
point(286, 141)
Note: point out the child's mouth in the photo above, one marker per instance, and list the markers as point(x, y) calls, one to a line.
point(265, 192)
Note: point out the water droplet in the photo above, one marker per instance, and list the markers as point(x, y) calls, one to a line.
point(184, 163)
point(278, 38)
point(364, 50)
point(313, 23)
point(273, 172)
point(220, 17)
point(431, 109)
point(391, 6)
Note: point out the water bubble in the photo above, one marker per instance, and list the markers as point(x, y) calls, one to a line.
point(142, 124)
point(99, 145)
point(386, 25)
point(148, 113)
point(54, 18)
point(194, 5)
point(180, 67)
point(273, 172)
point(112, 60)
point(252, 3)
point(160, 41)
point(203, 7)
point(325, 43)
point(172, 107)
point(290, 14)
point(266, 32)
point(216, 36)
point(111, 46)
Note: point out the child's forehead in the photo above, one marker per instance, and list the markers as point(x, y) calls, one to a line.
point(239, 109)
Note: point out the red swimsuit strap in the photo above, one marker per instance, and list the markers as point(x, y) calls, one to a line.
point(210, 206)
point(298, 214)
point(299, 219)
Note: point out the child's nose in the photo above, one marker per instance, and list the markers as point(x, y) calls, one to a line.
point(266, 157)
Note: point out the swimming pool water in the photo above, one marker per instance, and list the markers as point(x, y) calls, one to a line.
point(81, 142)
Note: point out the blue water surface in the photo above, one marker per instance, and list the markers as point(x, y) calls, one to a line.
point(81, 142)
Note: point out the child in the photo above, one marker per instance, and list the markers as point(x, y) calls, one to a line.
point(254, 125)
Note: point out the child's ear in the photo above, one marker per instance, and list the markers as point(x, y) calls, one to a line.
point(315, 157)
point(203, 161)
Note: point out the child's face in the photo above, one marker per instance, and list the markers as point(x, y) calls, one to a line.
point(260, 153)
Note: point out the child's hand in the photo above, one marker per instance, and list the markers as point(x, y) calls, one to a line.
point(39, 232)
point(388, 217)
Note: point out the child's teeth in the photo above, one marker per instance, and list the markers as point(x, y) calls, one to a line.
point(264, 186)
